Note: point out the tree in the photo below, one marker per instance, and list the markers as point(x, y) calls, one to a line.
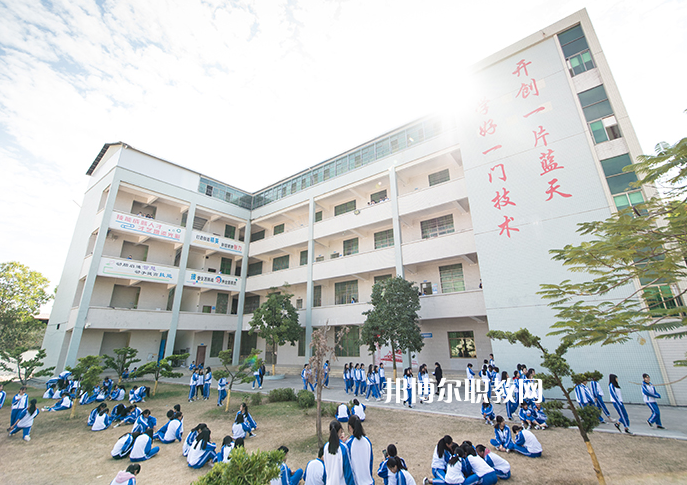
point(87, 371)
point(559, 369)
point(22, 293)
point(244, 468)
point(393, 320)
point(122, 361)
point(243, 373)
point(161, 368)
point(276, 320)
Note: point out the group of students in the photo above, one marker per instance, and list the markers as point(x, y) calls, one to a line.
point(201, 380)
point(309, 377)
point(137, 444)
point(361, 382)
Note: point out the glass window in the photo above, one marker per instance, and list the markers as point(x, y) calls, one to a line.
point(278, 229)
point(280, 263)
point(439, 177)
point(346, 292)
point(398, 142)
point(382, 278)
point(384, 239)
point(216, 343)
point(570, 35)
point(368, 154)
point(225, 266)
point(317, 296)
point(382, 148)
point(304, 257)
point(462, 345)
point(378, 196)
point(255, 268)
point(229, 231)
point(661, 298)
point(222, 304)
point(355, 159)
point(451, 278)
point(615, 165)
point(256, 236)
point(437, 227)
point(343, 208)
point(248, 342)
point(318, 216)
point(621, 183)
point(350, 246)
point(598, 131)
point(301, 343)
point(251, 303)
point(349, 342)
point(342, 165)
point(415, 134)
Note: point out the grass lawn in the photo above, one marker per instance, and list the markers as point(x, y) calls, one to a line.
point(65, 452)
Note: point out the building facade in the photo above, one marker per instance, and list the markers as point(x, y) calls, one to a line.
point(165, 259)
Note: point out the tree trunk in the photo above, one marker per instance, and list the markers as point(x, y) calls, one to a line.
point(155, 387)
point(73, 413)
point(320, 383)
point(226, 407)
point(393, 358)
point(120, 380)
point(274, 358)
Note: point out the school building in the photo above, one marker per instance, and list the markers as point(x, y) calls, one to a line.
point(467, 205)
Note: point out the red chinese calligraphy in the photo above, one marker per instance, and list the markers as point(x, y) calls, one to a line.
point(521, 65)
point(541, 108)
point(505, 226)
point(496, 147)
point(553, 189)
point(483, 106)
point(528, 88)
point(547, 162)
point(540, 136)
point(503, 172)
point(502, 200)
point(487, 128)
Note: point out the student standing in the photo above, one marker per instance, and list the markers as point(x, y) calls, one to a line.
point(408, 376)
point(438, 375)
point(222, 390)
point(128, 476)
point(345, 377)
point(598, 396)
point(192, 385)
point(584, 396)
point(650, 396)
point(617, 400)
point(25, 420)
point(207, 382)
point(19, 402)
point(336, 458)
point(286, 477)
point(360, 450)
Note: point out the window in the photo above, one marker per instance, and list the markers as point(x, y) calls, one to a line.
point(462, 345)
point(248, 343)
point(628, 199)
point(229, 231)
point(225, 266)
point(451, 278)
point(346, 292)
point(343, 208)
point(256, 236)
point(251, 303)
point(299, 304)
point(317, 296)
point(349, 342)
point(222, 304)
point(661, 298)
point(170, 298)
point(437, 227)
point(301, 343)
point(207, 309)
point(576, 51)
point(415, 134)
point(304, 257)
point(378, 196)
point(382, 148)
point(350, 246)
point(599, 114)
point(618, 181)
point(278, 229)
point(125, 297)
point(398, 142)
point(318, 216)
point(255, 268)
point(216, 343)
point(381, 278)
point(280, 263)
point(439, 177)
point(208, 190)
point(384, 239)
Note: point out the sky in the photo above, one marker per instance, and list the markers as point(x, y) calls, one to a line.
point(240, 89)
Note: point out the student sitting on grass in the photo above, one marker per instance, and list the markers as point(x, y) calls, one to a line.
point(286, 477)
point(94, 413)
point(403, 477)
point(247, 418)
point(358, 410)
point(123, 446)
point(383, 470)
point(502, 437)
point(172, 431)
point(127, 477)
point(342, 413)
point(224, 454)
point(102, 420)
point(526, 443)
point(240, 429)
point(192, 437)
point(526, 416)
point(144, 421)
point(62, 404)
point(488, 413)
point(143, 449)
point(539, 415)
point(25, 419)
point(501, 466)
point(117, 394)
point(202, 451)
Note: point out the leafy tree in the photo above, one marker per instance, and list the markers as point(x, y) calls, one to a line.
point(559, 369)
point(161, 368)
point(393, 320)
point(245, 469)
point(243, 373)
point(22, 293)
point(668, 164)
point(87, 371)
point(121, 361)
point(276, 320)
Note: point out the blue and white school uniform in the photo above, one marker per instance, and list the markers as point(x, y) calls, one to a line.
point(256, 378)
point(108, 383)
point(345, 379)
point(87, 398)
point(25, 422)
point(63, 404)
point(224, 454)
point(172, 431)
point(650, 395)
point(598, 395)
point(512, 407)
point(486, 381)
point(192, 384)
point(132, 416)
point(304, 376)
point(501, 466)
point(190, 439)
point(342, 413)
point(102, 421)
point(138, 395)
point(102, 395)
point(499, 386)
point(485, 473)
point(326, 375)
point(91, 417)
point(539, 415)
point(617, 400)
point(338, 466)
point(314, 473)
point(584, 397)
point(3, 396)
point(439, 463)
point(222, 390)
point(525, 416)
point(199, 455)
point(117, 395)
point(248, 419)
point(19, 403)
point(143, 449)
point(409, 388)
point(361, 459)
point(469, 373)
point(239, 430)
point(286, 477)
point(359, 410)
point(403, 477)
point(207, 382)
point(384, 473)
point(488, 413)
point(382, 379)
point(371, 388)
point(122, 447)
point(526, 443)
point(362, 377)
point(48, 394)
point(142, 423)
point(502, 437)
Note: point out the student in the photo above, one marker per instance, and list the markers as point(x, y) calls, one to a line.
point(192, 366)
point(191, 438)
point(125, 374)
point(286, 477)
point(192, 385)
point(358, 410)
point(123, 446)
point(469, 373)
point(128, 476)
point(49, 393)
point(377, 382)
point(202, 451)
point(102, 394)
point(526, 416)
point(102, 420)
point(336, 457)
point(61, 405)
point(19, 402)
point(598, 396)
point(172, 431)
point(89, 397)
point(584, 396)
point(25, 420)
point(383, 470)
point(314, 473)
point(143, 422)
point(438, 375)
point(360, 376)
point(224, 454)
point(133, 412)
point(117, 393)
point(207, 382)
point(142, 449)
point(502, 437)
point(94, 413)
point(3, 395)
point(262, 374)
point(486, 379)
point(306, 375)
point(650, 395)
point(491, 360)
point(539, 415)
point(488, 413)
point(501, 466)
point(441, 456)
point(382, 378)
point(526, 443)
point(139, 394)
point(256, 378)
point(240, 428)
point(402, 476)
point(498, 383)
point(408, 376)
point(342, 413)
point(617, 400)
point(199, 382)
point(485, 473)
point(360, 450)
point(247, 418)
point(107, 384)
point(222, 390)
point(325, 383)
point(512, 391)
point(370, 380)
point(423, 378)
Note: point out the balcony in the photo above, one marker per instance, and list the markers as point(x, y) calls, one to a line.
point(146, 228)
point(452, 305)
point(123, 319)
point(432, 197)
point(354, 264)
point(85, 266)
point(364, 216)
point(213, 242)
point(138, 271)
point(440, 247)
point(274, 279)
point(295, 237)
point(211, 281)
point(197, 321)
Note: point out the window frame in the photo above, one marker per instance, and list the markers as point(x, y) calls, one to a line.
point(457, 339)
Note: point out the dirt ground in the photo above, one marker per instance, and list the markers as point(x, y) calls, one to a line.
point(65, 452)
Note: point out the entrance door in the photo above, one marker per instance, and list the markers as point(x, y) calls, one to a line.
point(200, 355)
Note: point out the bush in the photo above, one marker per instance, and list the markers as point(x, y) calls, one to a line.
point(306, 399)
point(256, 399)
point(329, 409)
point(282, 394)
point(245, 469)
point(555, 417)
point(590, 417)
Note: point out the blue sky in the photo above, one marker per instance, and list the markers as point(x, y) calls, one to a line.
point(226, 87)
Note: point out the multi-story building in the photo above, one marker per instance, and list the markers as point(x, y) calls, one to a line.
point(467, 205)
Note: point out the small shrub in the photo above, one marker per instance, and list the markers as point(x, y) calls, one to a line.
point(282, 394)
point(555, 416)
point(244, 468)
point(329, 409)
point(256, 399)
point(590, 417)
point(306, 399)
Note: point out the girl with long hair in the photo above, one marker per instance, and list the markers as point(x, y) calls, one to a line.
point(337, 458)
